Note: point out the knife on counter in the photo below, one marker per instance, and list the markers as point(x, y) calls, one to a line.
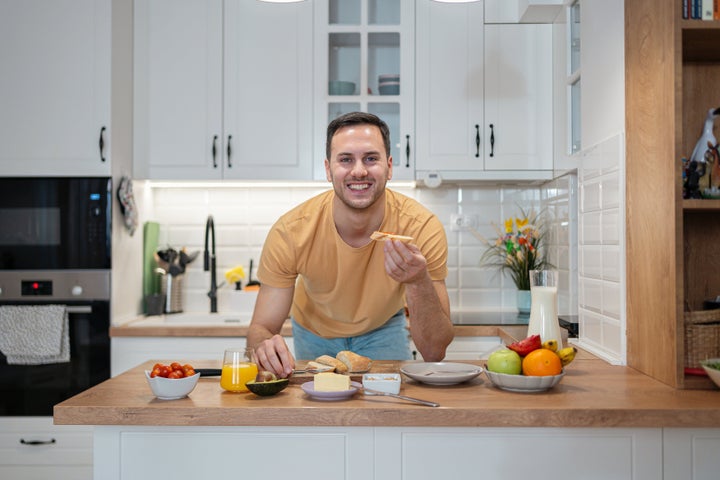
point(209, 372)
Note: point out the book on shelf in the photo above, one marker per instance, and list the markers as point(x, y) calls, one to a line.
point(701, 9)
point(706, 12)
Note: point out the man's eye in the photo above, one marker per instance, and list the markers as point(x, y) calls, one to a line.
point(371, 159)
point(344, 159)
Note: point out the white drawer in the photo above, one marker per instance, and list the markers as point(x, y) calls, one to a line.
point(68, 445)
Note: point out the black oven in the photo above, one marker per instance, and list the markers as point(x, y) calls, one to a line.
point(32, 390)
point(55, 223)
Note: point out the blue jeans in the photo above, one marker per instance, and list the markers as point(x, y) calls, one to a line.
point(388, 342)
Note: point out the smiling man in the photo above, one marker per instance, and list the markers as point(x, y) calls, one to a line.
point(343, 290)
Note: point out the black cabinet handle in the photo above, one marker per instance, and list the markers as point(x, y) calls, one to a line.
point(477, 141)
point(492, 140)
point(214, 151)
point(407, 151)
point(229, 152)
point(37, 442)
point(102, 144)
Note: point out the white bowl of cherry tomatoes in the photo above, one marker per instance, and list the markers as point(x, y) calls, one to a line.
point(173, 381)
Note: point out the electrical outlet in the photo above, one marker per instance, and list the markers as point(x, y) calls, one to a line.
point(461, 222)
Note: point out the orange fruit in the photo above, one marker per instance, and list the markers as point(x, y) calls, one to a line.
point(541, 362)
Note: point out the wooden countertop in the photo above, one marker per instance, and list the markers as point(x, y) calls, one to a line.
point(159, 329)
point(592, 394)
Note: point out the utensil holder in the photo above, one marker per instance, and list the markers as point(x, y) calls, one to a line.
point(173, 289)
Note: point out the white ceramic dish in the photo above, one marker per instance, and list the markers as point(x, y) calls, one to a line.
point(171, 388)
point(441, 373)
point(309, 388)
point(382, 382)
point(523, 383)
point(713, 373)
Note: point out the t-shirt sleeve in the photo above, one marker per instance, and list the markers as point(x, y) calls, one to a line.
point(278, 265)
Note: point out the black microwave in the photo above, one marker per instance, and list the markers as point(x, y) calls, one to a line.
point(61, 223)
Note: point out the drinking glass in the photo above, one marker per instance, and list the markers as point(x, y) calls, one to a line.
point(238, 368)
point(543, 306)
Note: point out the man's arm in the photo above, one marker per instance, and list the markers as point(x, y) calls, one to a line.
point(427, 300)
point(271, 310)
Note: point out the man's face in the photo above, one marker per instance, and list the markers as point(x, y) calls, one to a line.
point(358, 167)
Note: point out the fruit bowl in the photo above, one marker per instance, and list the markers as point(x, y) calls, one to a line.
point(523, 383)
point(171, 388)
point(712, 367)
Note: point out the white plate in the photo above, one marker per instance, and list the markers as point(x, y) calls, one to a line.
point(523, 383)
point(441, 373)
point(309, 388)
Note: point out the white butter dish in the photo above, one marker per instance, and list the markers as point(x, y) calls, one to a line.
point(382, 382)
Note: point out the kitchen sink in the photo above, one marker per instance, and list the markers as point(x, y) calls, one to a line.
point(202, 318)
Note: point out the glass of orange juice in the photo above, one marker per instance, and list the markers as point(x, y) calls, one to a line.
point(238, 368)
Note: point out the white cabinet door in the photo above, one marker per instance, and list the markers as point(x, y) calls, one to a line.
point(223, 90)
point(484, 103)
point(691, 453)
point(55, 87)
point(449, 83)
point(369, 47)
point(518, 97)
point(268, 90)
point(178, 89)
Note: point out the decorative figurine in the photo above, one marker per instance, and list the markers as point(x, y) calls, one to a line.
point(698, 153)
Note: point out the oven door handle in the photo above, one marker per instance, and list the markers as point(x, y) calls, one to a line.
point(79, 309)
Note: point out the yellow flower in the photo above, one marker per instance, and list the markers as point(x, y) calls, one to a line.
point(521, 222)
point(508, 225)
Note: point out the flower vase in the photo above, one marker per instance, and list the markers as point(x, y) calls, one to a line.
point(523, 302)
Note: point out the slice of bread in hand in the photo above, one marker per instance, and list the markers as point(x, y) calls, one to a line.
point(389, 236)
point(354, 362)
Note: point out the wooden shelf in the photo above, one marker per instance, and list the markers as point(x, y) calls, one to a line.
point(701, 204)
point(700, 40)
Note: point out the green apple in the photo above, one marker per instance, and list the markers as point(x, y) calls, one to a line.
point(505, 361)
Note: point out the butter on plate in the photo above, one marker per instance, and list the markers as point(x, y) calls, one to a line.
point(331, 382)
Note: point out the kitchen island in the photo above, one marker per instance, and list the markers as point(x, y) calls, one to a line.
point(601, 421)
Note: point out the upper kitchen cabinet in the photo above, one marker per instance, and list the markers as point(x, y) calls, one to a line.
point(223, 90)
point(364, 61)
point(55, 88)
point(484, 96)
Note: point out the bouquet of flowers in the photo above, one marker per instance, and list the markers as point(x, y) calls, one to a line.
point(518, 249)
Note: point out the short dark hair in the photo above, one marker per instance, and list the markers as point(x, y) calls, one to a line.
point(357, 118)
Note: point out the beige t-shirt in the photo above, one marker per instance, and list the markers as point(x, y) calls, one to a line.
point(342, 291)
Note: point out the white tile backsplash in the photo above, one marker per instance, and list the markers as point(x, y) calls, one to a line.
point(601, 274)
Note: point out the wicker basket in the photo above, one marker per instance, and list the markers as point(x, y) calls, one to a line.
point(702, 336)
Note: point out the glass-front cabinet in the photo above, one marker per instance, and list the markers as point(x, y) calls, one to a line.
point(364, 61)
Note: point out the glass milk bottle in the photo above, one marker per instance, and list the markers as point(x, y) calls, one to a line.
point(543, 306)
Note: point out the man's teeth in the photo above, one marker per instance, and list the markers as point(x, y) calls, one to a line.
point(358, 187)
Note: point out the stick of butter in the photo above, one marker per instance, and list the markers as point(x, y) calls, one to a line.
point(331, 382)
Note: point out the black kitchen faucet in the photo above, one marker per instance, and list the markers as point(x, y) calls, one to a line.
point(209, 262)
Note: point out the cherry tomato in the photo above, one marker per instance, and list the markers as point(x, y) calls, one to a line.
point(156, 366)
point(190, 372)
point(176, 366)
point(155, 372)
point(175, 374)
point(186, 368)
point(164, 371)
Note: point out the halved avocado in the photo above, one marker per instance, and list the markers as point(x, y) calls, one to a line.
point(267, 388)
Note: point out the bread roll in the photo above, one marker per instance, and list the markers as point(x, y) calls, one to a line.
point(339, 366)
point(354, 362)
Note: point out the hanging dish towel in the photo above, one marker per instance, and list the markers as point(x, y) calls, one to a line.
point(34, 334)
